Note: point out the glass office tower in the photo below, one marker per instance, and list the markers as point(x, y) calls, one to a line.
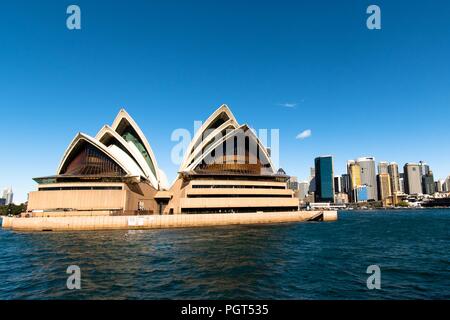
point(324, 179)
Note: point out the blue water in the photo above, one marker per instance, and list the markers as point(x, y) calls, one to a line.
point(288, 261)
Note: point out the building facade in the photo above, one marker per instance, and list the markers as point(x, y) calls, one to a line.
point(227, 169)
point(412, 179)
point(114, 173)
point(383, 167)
point(354, 173)
point(384, 188)
point(324, 179)
point(428, 185)
point(394, 177)
point(8, 195)
point(369, 176)
point(303, 190)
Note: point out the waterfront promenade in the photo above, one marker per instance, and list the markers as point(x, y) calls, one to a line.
point(77, 223)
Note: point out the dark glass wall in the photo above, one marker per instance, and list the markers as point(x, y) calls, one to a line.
point(324, 179)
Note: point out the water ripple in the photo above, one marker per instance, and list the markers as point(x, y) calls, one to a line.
point(288, 261)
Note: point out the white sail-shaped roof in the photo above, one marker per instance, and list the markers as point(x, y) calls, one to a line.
point(251, 135)
point(112, 155)
point(207, 131)
point(126, 127)
point(122, 149)
point(109, 137)
point(216, 134)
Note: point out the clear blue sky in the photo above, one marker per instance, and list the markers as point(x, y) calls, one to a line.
point(379, 93)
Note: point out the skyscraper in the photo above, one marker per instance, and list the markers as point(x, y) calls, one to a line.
point(428, 186)
point(383, 167)
point(369, 176)
point(394, 177)
point(424, 168)
point(354, 173)
point(312, 180)
point(303, 188)
point(8, 195)
point(413, 179)
point(447, 184)
point(346, 184)
point(324, 179)
point(384, 186)
point(401, 182)
point(438, 186)
point(338, 184)
point(293, 183)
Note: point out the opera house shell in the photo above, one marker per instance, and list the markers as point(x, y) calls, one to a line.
point(226, 170)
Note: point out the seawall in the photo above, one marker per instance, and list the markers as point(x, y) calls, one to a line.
point(91, 223)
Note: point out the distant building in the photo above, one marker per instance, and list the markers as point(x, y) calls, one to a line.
point(354, 173)
point(384, 187)
point(346, 184)
point(312, 180)
point(428, 186)
point(8, 195)
point(368, 176)
point(383, 167)
point(394, 177)
point(413, 179)
point(424, 168)
point(438, 186)
point(303, 188)
point(2, 201)
point(401, 181)
point(293, 183)
point(446, 185)
point(341, 198)
point(338, 184)
point(324, 179)
point(361, 194)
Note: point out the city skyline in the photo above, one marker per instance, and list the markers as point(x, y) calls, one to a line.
point(314, 71)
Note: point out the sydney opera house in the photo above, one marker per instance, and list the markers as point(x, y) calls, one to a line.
point(225, 170)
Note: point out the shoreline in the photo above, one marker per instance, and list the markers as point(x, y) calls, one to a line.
point(95, 223)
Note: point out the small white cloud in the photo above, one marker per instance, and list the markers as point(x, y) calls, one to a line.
point(288, 105)
point(305, 134)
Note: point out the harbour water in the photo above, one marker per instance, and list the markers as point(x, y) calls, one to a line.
point(285, 261)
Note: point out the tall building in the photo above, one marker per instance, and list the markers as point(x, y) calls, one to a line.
point(8, 195)
point(303, 188)
point(354, 173)
point(338, 184)
point(346, 184)
point(446, 185)
point(428, 186)
point(401, 181)
point(383, 167)
point(427, 178)
point(293, 183)
point(413, 179)
point(394, 177)
point(384, 186)
point(438, 186)
point(324, 179)
point(369, 176)
point(312, 180)
point(424, 168)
